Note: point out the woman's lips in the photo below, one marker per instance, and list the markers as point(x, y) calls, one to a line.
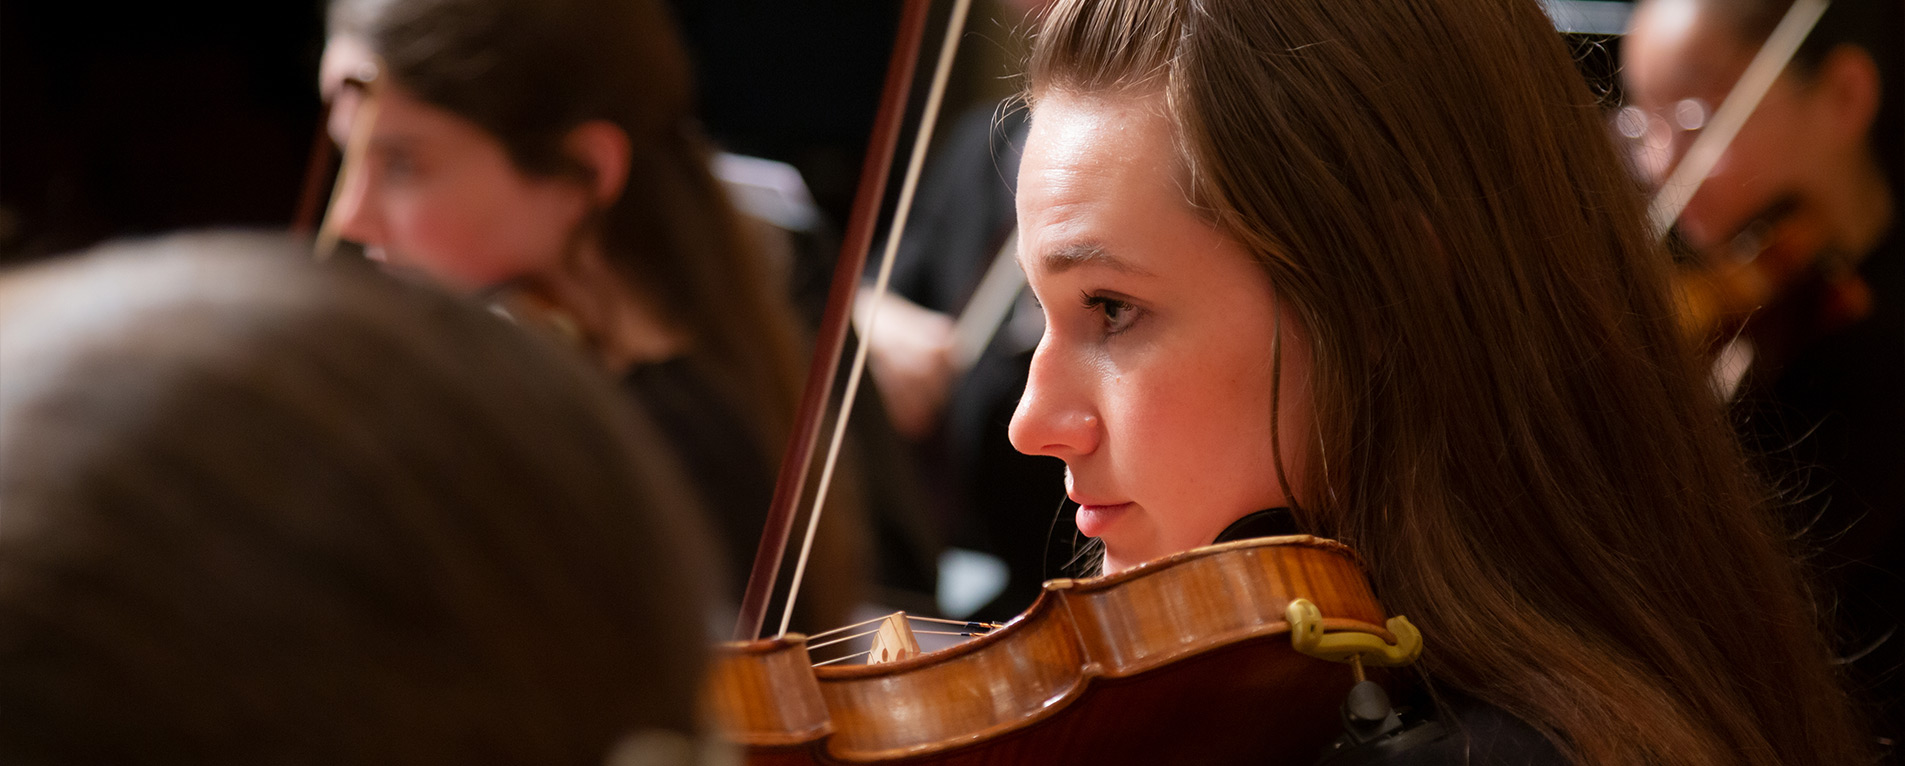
point(1092, 519)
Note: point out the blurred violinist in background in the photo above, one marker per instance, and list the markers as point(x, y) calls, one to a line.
point(544, 154)
point(1801, 253)
point(262, 510)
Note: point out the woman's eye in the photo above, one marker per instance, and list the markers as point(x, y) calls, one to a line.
point(398, 165)
point(1118, 313)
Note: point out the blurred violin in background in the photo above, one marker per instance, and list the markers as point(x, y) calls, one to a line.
point(1778, 273)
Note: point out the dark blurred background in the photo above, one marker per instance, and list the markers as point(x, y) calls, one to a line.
point(143, 118)
point(153, 117)
point(149, 117)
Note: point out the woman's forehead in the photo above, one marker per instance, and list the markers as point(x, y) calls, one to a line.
point(346, 57)
point(1136, 116)
point(1087, 151)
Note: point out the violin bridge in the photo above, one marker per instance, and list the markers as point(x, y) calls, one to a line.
point(893, 641)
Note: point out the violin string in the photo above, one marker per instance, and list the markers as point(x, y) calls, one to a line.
point(846, 657)
point(979, 631)
point(842, 638)
point(356, 144)
point(1738, 105)
point(907, 187)
point(825, 633)
point(961, 623)
point(978, 628)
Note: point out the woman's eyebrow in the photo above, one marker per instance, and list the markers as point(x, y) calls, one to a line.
point(1088, 252)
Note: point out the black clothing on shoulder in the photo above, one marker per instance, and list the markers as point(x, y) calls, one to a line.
point(1461, 731)
point(716, 450)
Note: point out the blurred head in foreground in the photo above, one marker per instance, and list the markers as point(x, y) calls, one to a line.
point(257, 510)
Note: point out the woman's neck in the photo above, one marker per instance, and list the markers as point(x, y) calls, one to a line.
point(622, 324)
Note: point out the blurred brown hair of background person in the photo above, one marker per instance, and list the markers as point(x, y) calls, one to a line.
point(259, 510)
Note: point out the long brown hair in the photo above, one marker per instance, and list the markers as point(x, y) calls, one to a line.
point(258, 510)
point(1507, 425)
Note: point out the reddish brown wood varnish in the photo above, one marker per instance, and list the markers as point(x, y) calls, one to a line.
point(1184, 659)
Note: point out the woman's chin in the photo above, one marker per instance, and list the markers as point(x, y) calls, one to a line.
point(1119, 557)
point(1117, 561)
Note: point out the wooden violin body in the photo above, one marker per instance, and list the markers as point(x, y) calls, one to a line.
point(1187, 659)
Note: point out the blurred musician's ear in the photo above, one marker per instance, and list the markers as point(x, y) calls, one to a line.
point(1848, 90)
point(602, 149)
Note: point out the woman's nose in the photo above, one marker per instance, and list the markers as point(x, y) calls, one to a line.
point(358, 217)
point(1056, 416)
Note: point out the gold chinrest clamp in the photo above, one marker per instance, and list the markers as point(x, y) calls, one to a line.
point(1356, 647)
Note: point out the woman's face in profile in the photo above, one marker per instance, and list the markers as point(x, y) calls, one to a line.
point(1153, 379)
point(438, 194)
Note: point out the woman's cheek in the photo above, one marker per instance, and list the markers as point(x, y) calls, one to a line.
point(453, 248)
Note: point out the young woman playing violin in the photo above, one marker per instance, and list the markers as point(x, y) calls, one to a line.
point(1377, 262)
point(545, 150)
